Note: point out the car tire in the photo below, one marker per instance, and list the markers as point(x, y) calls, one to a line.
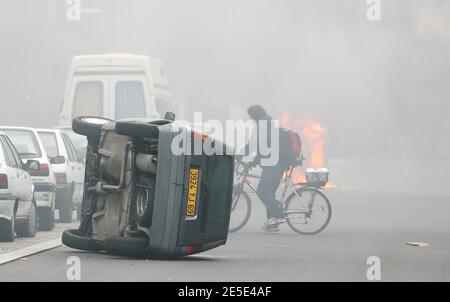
point(90, 126)
point(29, 228)
point(74, 239)
point(137, 129)
point(126, 246)
point(145, 198)
point(46, 219)
point(7, 232)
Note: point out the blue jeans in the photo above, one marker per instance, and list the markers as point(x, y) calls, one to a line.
point(267, 187)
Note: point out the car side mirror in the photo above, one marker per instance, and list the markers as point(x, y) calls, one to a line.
point(57, 160)
point(32, 165)
point(170, 116)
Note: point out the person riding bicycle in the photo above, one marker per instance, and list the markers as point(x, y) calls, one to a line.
point(271, 175)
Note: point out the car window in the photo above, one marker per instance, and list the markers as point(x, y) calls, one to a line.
point(70, 151)
point(9, 157)
point(14, 153)
point(50, 143)
point(130, 100)
point(78, 142)
point(163, 106)
point(88, 99)
point(25, 143)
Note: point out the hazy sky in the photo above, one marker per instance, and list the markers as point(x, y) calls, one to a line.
point(318, 57)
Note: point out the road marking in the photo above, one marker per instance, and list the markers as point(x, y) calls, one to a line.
point(30, 250)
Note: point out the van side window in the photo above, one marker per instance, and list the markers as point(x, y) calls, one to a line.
point(130, 100)
point(88, 99)
point(163, 106)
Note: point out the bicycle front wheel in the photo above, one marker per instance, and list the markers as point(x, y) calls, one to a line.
point(307, 211)
point(241, 208)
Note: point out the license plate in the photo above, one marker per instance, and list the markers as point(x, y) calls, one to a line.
point(191, 205)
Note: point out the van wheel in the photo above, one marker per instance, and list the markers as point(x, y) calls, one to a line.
point(90, 126)
point(29, 228)
point(7, 230)
point(46, 219)
point(75, 239)
point(137, 129)
point(126, 246)
point(144, 201)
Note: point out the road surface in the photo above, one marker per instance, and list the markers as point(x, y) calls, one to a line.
point(361, 227)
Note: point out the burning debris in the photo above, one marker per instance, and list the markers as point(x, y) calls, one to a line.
point(312, 134)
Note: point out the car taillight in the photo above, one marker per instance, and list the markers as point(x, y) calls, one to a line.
point(199, 135)
point(61, 178)
point(3, 181)
point(192, 249)
point(43, 171)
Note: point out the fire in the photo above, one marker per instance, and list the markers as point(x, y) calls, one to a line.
point(312, 134)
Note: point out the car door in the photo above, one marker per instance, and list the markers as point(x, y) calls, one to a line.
point(76, 169)
point(10, 168)
point(24, 183)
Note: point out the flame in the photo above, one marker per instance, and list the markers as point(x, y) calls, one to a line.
point(312, 134)
point(313, 143)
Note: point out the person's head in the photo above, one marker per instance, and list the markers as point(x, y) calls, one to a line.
point(256, 112)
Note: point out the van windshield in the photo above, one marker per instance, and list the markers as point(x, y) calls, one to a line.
point(88, 99)
point(163, 106)
point(130, 100)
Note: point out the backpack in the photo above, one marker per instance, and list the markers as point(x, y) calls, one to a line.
point(290, 145)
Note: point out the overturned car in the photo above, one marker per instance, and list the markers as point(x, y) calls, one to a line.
point(143, 199)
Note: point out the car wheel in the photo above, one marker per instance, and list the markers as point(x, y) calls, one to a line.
point(7, 230)
point(29, 228)
point(126, 246)
point(144, 200)
point(90, 126)
point(46, 219)
point(75, 239)
point(137, 129)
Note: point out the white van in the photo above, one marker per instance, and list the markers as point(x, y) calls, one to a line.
point(115, 86)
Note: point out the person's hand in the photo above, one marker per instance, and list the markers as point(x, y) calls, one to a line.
point(252, 164)
point(238, 158)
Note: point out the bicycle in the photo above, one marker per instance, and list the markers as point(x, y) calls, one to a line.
point(301, 209)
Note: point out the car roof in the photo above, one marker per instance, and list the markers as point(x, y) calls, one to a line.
point(47, 130)
point(16, 128)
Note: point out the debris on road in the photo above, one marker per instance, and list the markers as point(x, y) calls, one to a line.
point(420, 244)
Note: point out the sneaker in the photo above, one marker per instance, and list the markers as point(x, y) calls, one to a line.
point(271, 222)
point(281, 220)
point(270, 228)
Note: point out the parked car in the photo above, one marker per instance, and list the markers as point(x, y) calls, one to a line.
point(68, 169)
point(29, 146)
point(17, 205)
point(115, 86)
point(142, 199)
point(78, 141)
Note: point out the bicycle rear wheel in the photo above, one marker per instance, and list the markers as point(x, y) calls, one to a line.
point(241, 207)
point(307, 211)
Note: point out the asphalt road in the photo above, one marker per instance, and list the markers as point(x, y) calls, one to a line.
point(361, 227)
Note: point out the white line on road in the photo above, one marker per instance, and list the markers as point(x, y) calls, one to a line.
point(30, 250)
